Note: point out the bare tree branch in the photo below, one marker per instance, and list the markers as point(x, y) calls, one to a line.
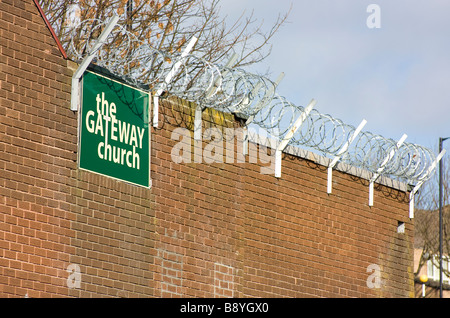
point(427, 218)
point(165, 25)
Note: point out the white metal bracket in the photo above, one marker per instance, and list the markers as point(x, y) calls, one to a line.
point(75, 90)
point(198, 123)
point(218, 81)
point(382, 167)
point(298, 123)
point(340, 153)
point(422, 180)
point(168, 79)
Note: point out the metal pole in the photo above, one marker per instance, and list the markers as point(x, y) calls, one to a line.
point(440, 219)
point(87, 60)
point(441, 140)
point(129, 13)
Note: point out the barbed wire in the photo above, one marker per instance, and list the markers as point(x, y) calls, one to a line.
point(252, 96)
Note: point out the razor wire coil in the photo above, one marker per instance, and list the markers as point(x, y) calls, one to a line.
point(234, 90)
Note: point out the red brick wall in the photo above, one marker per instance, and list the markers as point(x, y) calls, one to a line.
point(37, 147)
point(202, 230)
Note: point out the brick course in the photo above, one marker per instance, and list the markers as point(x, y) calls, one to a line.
point(201, 230)
point(37, 146)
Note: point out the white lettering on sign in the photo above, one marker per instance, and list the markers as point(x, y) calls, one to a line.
point(106, 124)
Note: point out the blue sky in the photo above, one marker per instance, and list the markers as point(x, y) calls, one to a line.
point(397, 77)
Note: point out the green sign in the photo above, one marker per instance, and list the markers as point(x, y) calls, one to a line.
point(114, 134)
